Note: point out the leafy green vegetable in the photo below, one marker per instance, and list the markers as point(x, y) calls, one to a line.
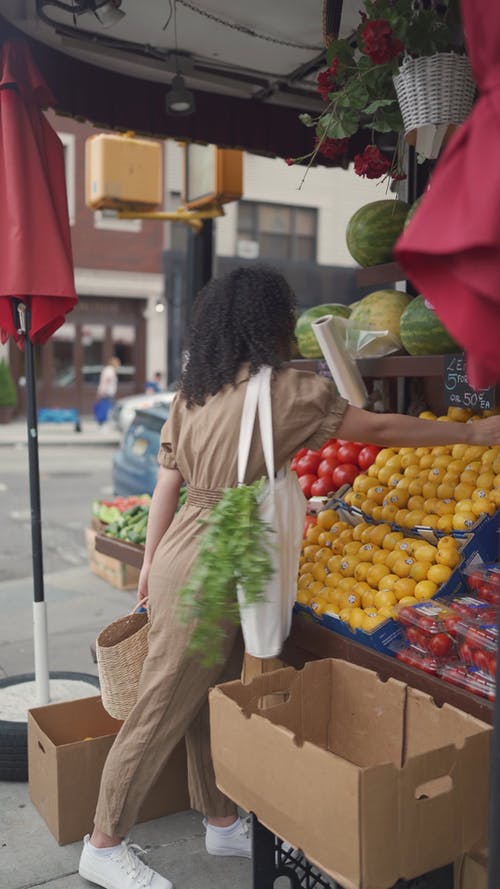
point(232, 552)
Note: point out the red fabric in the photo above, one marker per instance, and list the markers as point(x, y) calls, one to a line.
point(35, 247)
point(451, 248)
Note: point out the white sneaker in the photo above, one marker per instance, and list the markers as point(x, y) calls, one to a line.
point(123, 870)
point(238, 843)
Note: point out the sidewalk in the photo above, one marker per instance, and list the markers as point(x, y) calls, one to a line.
point(79, 605)
point(16, 433)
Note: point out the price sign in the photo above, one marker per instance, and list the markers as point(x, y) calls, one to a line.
point(457, 390)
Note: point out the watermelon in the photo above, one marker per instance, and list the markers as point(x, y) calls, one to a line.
point(374, 229)
point(380, 310)
point(306, 338)
point(422, 332)
point(411, 212)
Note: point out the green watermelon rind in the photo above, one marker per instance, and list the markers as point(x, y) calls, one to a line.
point(306, 338)
point(374, 229)
point(422, 333)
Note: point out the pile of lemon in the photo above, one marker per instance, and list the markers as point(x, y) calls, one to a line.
point(363, 573)
point(445, 488)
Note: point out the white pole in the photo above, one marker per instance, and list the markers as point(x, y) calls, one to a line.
point(41, 639)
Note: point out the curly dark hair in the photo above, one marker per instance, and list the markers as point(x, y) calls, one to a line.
point(246, 315)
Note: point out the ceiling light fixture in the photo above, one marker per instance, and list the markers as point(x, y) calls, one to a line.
point(179, 100)
point(107, 12)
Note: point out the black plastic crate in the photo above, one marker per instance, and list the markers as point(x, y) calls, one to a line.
point(273, 858)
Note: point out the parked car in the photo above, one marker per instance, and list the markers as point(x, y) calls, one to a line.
point(135, 466)
point(124, 409)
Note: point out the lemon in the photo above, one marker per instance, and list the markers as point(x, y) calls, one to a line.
point(446, 507)
point(483, 507)
point(459, 414)
point(356, 618)
point(361, 570)
point(419, 571)
point(319, 572)
point(425, 552)
point(425, 589)
point(305, 580)
point(405, 586)
point(368, 598)
point(303, 596)
point(409, 459)
point(371, 622)
point(375, 574)
point(358, 530)
point(408, 600)
point(401, 518)
point(464, 521)
point(391, 558)
point(416, 501)
point(326, 518)
point(430, 520)
point(427, 415)
point(426, 461)
point(380, 556)
point(445, 523)
point(458, 451)
point(383, 456)
point(439, 574)
point(390, 539)
point(387, 611)
point(318, 604)
point(448, 556)
point(323, 554)
point(366, 551)
point(346, 583)
point(402, 566)
point(388, 513)
point(412, 470)
point(314, 588)
point(344, 614)
point(464, 490)
point(485, 480)
point(313, 533)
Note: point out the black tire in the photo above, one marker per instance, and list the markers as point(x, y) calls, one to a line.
point(14, 735)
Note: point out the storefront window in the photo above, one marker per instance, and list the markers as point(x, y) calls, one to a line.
point(63, 341)
point(277, 231)
point(123, 336)
point(93, 337)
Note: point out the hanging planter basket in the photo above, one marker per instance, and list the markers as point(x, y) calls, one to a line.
point(435, 94)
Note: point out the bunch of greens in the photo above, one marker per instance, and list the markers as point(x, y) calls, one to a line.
point(232, 553)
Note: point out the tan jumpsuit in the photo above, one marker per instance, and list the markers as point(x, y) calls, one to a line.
point(202, 443)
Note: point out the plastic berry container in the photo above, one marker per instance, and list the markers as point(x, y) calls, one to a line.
point(484, 582)
point(421, 660)
point(430, 626)
point(469, 678)
point(478, 645)
point(472, 608)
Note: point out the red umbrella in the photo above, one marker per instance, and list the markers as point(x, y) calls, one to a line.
point(35, 248)
point(451, 249)
point(36, 269)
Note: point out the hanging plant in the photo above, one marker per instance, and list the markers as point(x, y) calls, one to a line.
point(358, 86)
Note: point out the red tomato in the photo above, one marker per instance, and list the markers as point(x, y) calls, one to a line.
point(440, 645)
point(493, 665)
point(367, 456)
point(308, 463)
point(331, 441)
point(450, 623)
point(344, 474)
point(325, 469)
point(349, 453)
point(329, 452)
point(481, 660)
point(466, 653)
point(413, 635)
point(296, 458)
point(321, 487)
point(305, 482)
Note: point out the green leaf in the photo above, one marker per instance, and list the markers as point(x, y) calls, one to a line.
point(341, 50)
point(233, 551)
point(376, 104)
point(342, 126)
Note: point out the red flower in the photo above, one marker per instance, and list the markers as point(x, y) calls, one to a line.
point(289, 161)
point(371, 164)
point(378, 43)
point(326, 80)
point(332, 148)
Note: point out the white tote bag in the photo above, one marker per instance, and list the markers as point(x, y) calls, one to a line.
point(266, 624)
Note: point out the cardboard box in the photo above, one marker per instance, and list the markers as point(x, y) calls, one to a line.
point(370, 779)
point(118, 574)
point(123, 172)
point(67, 746)
point(471, 871)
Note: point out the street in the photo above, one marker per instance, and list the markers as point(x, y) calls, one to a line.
point(70, 478)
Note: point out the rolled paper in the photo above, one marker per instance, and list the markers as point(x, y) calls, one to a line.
point(328, 331)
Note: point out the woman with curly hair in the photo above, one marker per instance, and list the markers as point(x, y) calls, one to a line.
point(241, 322)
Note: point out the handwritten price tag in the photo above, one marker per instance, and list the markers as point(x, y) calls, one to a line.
point(457, 390)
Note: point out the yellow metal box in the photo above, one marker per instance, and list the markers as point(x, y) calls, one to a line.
point(123, 172)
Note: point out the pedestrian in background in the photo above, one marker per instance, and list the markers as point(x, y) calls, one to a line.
point(106, 390)
point(153, 385)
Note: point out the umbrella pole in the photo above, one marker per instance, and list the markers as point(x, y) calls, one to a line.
point(40, 628)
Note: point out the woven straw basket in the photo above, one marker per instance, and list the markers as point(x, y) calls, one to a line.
point(434, 90)
point(121, 649)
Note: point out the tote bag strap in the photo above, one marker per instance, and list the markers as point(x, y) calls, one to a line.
point(257, 396)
